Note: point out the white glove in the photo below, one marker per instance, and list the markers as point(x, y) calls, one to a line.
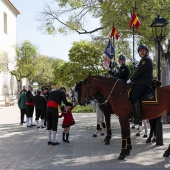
point(115, 69)
point(128, 81)
point(134, 61)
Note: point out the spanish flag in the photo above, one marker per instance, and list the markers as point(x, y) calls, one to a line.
point(114, 33)
point(134, 21)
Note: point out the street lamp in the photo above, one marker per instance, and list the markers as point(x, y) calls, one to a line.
point(159, 26)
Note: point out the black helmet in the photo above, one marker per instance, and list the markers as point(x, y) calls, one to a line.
point(142, 46)
point(122, 57)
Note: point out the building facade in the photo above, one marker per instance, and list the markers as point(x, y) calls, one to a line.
point(8, 41)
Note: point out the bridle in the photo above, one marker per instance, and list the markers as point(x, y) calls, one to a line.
point(73, 95)
point(89, 87)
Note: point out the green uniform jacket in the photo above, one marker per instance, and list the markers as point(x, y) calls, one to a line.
point(22, 101)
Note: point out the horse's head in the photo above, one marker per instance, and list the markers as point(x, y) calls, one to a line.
point(78, 91)
point(88, 91)
point(73, 94)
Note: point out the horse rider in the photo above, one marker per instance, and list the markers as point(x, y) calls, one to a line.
point(113, 69)
point(124, 71)
point(142, 80)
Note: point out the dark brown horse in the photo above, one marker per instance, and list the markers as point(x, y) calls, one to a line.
point(114, 91)
point(104, 107)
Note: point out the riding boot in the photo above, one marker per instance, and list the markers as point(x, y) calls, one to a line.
point(138, 120)
point(67, 136)
point(64, 140)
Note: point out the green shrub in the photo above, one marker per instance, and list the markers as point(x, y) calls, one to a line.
point(83, 109)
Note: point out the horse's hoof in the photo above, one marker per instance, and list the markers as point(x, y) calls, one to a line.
point(138, 134)
point(145, 136)
point(94, 135)
point(148, 140)
point(127, 152)
point(107, 142)
point(102, 134)
point(166, 154)
point(121, 157)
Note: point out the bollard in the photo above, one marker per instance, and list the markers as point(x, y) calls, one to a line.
point(159, 133)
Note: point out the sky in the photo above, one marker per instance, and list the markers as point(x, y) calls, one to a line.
point(57, 46)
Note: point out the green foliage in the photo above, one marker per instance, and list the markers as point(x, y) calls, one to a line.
point(3, 62)
point(83, 109)
point(26, 64)
point(77, 15)
point(84, 57)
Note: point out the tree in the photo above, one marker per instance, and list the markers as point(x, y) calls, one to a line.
point(84, 57)
point(25, 65)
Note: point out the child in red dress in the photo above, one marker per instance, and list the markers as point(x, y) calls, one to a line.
point(67, 121)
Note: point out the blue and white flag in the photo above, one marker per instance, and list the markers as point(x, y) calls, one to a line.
point(109, 51)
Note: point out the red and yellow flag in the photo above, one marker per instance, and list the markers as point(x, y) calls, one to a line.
point(134, 21)
point(114, 33)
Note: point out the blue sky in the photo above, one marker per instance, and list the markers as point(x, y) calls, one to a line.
point(54, 46)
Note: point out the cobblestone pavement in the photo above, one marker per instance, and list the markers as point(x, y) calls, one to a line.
point(26, 148)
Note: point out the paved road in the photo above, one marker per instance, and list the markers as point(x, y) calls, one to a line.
point(26, 148)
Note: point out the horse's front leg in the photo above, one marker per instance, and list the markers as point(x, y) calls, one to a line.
point(126, 140)
point(109, 132)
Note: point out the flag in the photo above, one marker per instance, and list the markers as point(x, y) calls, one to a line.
point(134, 21)
point(114, 33)
point(109, 51)
point(106, 61)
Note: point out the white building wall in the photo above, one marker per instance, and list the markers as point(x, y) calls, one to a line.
point(8, 83)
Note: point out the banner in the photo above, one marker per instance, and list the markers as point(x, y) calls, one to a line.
point(109, 51)
point(114, 33)
point(134, 21)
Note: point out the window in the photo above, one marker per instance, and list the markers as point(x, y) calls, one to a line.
point(5, 23)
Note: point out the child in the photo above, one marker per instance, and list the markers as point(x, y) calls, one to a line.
point(67, 121)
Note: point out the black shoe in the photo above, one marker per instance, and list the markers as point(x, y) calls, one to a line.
point(67, 141)
point(24, 121)
point(29, 126)
point(33, 125)
point(38, 127)
point(43, 127)
point(55, 143)
point(145, 136)
point(21, 123)
point(49, 143)
point(148, 140)
point(138, 134)
point(133, 127)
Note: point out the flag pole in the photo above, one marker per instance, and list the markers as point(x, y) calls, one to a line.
point(113, 43)
point(133, 32)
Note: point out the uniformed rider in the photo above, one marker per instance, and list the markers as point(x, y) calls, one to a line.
point(124, 71)
point(142, 80)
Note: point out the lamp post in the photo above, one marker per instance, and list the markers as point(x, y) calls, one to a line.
point(159, 26)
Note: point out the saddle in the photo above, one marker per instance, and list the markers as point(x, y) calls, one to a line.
point(151, 96)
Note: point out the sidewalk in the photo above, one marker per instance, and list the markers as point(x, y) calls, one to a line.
point(26, 148)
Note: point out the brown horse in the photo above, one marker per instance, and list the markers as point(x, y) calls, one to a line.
point(105, 108)
point(114, 91)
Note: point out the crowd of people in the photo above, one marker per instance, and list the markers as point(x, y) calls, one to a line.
point(46, 106)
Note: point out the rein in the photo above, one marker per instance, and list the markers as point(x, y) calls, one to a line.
point(93, 98)
point(109, 94)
